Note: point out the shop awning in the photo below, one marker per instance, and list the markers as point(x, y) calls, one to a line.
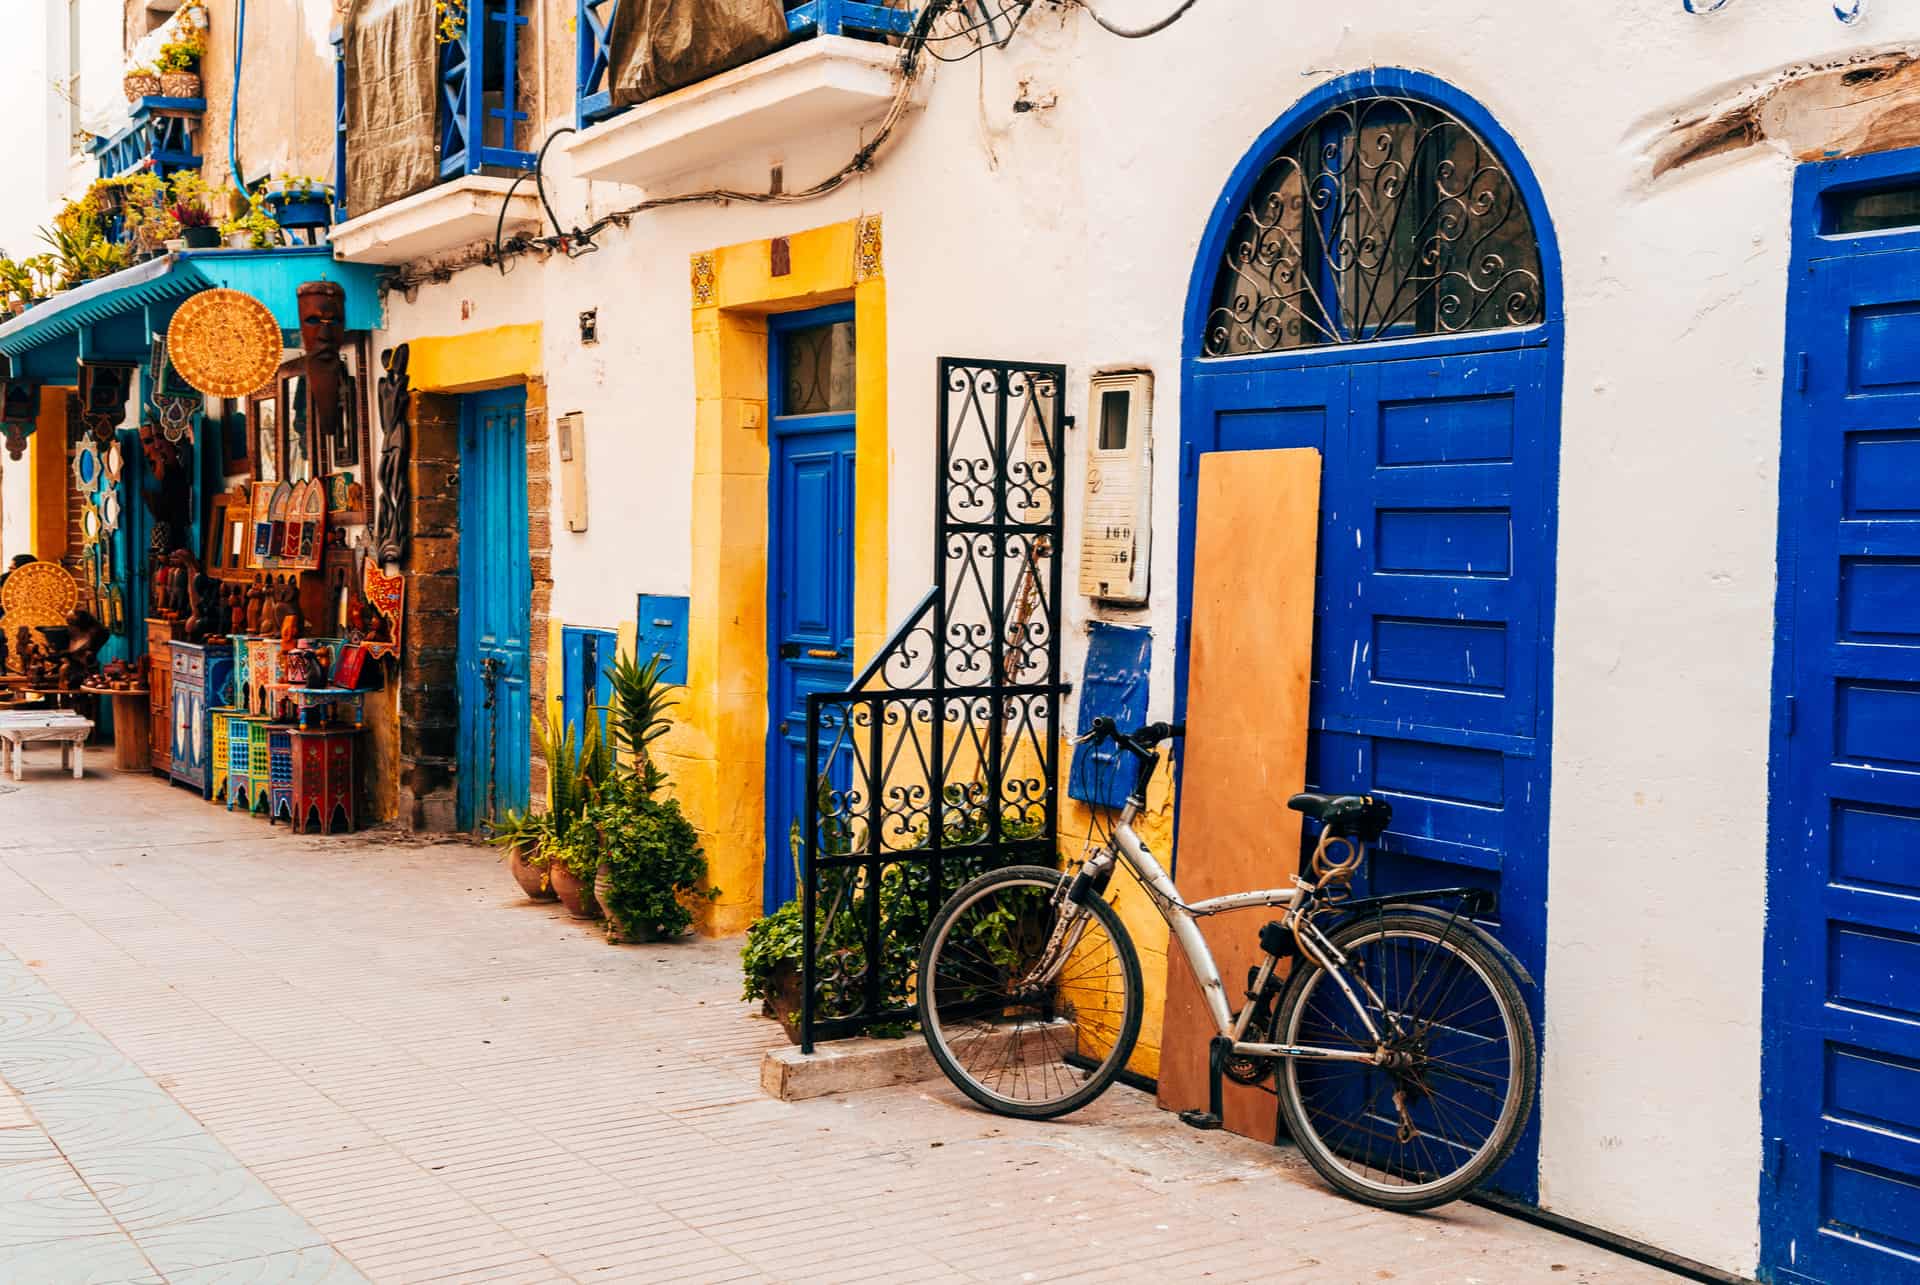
point(114, 318)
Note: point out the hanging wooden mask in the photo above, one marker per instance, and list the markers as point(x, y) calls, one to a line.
point(174, 399)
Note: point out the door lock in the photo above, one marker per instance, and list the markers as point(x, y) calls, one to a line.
point(784, 727)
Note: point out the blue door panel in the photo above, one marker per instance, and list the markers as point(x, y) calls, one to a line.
point(1432, 632)
point(810, 499)
point(496, 589)
point(1841, 1060)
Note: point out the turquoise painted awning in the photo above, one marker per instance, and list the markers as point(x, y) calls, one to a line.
point(113, 318)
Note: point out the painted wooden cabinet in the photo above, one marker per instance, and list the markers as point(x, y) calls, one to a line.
point(201, 676)
point(160, 693)
point(324, 781)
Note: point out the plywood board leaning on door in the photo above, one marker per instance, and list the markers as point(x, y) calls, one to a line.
point(1249, 658)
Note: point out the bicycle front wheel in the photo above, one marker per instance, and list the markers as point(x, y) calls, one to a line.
point(1030, 1003)
point(1444, 1104)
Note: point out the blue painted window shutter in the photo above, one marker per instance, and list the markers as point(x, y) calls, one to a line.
point(663, 632)
point(1115, 687)
point(587, 657)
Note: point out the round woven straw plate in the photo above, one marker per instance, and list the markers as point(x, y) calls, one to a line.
point(39, 593)
point(224, 342)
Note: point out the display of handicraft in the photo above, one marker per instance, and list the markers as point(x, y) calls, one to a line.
point(391, 526)
point(104, 386)
point(225, 343)
point(289, 526)
point(19, 415)
point(174, 400)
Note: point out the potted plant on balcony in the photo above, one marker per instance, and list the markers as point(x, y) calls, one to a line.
point(299, 201)
point(140, 82)
point(190, 212)
point(253, 228)
point(16, 286)
point(179, 64)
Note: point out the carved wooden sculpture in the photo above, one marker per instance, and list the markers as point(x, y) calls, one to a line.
point(391, 522)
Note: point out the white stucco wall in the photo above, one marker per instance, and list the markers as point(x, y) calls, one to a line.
point(1068, 234)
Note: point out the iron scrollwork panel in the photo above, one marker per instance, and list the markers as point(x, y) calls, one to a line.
point(1384, 218)
point(940, 763)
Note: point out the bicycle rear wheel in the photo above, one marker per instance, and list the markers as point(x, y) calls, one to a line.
point(1030, 1004)
point(1447, 1105)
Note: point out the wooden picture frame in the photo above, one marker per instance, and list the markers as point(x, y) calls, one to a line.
point(230, 537)
point(263, 433)
point(347, 458)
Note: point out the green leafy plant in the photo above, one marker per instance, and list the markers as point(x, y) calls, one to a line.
point(184, 52)
point(637, 715)
point(578, 767)
point(255, 223)
point(450, 21)
point(16, 284)
point(773, 941)
point(653, 858)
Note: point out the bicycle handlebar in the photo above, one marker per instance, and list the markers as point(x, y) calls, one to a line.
point(1141, 741)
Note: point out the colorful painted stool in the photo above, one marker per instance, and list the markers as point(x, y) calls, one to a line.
point(325, 784)
point(222, 762)
point(240, 785)
point(280, 792)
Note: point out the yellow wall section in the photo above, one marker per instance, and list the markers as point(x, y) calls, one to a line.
point(470, 363)
point(47, 467)
point(717, 754)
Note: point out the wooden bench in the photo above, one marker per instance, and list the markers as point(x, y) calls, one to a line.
point(19, 729)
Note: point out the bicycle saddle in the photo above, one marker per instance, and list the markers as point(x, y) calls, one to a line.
point(1360, 816)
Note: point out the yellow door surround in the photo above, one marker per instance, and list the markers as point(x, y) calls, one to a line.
point(717, 755)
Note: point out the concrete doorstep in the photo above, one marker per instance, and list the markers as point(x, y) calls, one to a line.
point(846, 1066)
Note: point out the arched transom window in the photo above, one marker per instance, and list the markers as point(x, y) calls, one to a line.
point(1385, 218)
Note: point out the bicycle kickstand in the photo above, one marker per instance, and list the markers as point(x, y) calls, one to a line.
point(1218, 1050)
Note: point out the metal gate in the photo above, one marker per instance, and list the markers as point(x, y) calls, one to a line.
point(941, 761)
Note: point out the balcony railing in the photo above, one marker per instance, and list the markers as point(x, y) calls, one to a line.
point(804, 18)
point(480, 117)
point(161, 137)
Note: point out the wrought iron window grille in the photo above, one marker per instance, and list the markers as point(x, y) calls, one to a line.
point(1384, 218)
point(941, 761)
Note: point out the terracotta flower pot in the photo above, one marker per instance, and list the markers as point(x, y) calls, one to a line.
point(533, 880)
point(783, 1005)
point(180, 84)
point(575, 893)
point(140, 84)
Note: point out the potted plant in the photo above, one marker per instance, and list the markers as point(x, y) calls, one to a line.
point(770, 965)
point(520, 838)
point(140, 82)
point(190, 212)
point(179, 63)
point(16, 286)
point(299, 201)
point(577, 767)
point(253, 228)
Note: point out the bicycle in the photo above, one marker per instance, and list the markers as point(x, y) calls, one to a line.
point(1399, 1042)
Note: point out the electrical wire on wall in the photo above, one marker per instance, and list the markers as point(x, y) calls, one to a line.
point(944, 30)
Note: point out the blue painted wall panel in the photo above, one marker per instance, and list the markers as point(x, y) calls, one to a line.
point(662, 631)
point(1113, 685)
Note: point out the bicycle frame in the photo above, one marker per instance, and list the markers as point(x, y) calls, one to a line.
point(1182, 922)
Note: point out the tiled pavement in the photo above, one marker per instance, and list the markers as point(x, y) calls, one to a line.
point(234, 1054)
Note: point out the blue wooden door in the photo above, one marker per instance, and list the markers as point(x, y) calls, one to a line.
point(1841, 1066)
point(496, 590)
point(1433, 610)
point(809, 565)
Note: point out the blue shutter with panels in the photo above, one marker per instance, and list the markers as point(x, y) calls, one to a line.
point(587, 657)
point(1115, 687)
point(663, 632)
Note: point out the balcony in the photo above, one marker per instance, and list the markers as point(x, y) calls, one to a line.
point(482, 133)
point(163, 136)
point(836, 75)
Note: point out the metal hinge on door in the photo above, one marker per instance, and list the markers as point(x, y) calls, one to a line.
point(1800, 372)
point(1775, 1159)
point(1792, 712)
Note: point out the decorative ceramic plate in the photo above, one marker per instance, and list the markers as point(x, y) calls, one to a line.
point(39, 593)
point(224, 342)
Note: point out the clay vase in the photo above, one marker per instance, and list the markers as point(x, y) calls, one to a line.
point(532, 879)
point(575, 893)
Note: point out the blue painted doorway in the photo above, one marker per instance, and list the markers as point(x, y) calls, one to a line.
point(1334, 306)
point(809, 558)
point(496, 591)
point(1840, 1079)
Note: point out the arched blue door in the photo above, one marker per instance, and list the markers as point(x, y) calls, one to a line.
point(1379, 282)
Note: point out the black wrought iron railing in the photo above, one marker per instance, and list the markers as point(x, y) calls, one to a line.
point(941, 761)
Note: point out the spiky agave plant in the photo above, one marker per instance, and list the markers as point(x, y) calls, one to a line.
point(637, 715)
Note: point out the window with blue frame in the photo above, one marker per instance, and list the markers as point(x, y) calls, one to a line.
point(587, 658)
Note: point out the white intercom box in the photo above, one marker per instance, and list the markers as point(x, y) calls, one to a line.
point(1115, 518)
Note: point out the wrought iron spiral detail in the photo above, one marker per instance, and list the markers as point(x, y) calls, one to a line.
point(1384, 218)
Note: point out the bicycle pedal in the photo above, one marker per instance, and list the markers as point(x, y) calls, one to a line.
point(1200, 1119)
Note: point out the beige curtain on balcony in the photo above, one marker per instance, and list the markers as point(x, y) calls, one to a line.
point(392, 93)
point(661, 45)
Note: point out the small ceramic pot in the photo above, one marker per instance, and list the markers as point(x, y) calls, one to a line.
point(533, 880)
point(575, 893)
point(206, 238)
point(174, 243)
point(180, 84)
point(139, 84)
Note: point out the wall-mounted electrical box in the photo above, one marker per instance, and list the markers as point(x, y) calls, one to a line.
point(663, 635)
point(572, 432)
point(1115, 519)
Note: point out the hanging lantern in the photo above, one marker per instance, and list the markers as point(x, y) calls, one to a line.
point(19, 415)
